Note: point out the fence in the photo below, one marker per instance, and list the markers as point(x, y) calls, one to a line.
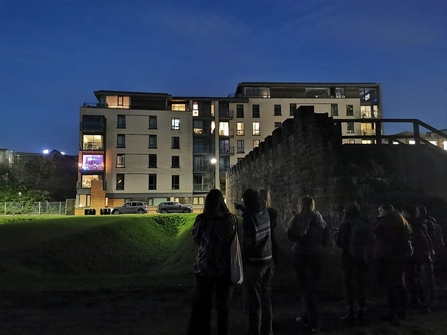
point(44, 207)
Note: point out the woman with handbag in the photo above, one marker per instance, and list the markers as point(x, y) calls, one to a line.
point(213, 231)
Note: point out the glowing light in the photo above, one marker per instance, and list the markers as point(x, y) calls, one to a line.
point(46, 151)
point(213, 161)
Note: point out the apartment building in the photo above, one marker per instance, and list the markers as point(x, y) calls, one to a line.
point(156, 147)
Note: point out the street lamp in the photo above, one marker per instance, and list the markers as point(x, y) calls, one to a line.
point(213, 162)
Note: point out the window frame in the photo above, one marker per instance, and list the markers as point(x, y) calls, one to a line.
point(152, 163)
point(256, 130)
point(121, 121)
point(175, 142)
point(120, 141)
point(276, 110)
point(151, 145)
point(152, 181)
point(175, 182)
point(119, 182)
point(153, 122)
point(175, 162)
point(256, 111)
point(175, 123)
point(120, 161)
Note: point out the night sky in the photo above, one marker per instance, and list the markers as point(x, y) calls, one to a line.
point(55, 53)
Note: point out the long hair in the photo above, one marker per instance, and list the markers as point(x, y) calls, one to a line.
point(265, 196)
point(306, 205)
point(215, 204)
point(252, 200)
point(300, 223)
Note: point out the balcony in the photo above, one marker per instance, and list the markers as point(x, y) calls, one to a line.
point(92, 147)
point(226, 133)
point(226, 114)
point(202, 187)
point(227, 151)
point(93, 126)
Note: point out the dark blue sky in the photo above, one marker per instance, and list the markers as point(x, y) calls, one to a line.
point(55, 53)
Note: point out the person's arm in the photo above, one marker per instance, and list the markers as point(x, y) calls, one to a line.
point(196, 230)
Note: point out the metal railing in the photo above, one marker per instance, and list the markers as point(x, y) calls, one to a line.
point(376, 136)
point(39, 208)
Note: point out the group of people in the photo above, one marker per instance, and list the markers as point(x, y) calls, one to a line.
point(399, 246)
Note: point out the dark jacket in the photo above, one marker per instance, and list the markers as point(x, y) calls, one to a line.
point(256, 241)
point(355, 238)
point(422, 243)
point(313, 241)
point(392, 237)
point(214, 236)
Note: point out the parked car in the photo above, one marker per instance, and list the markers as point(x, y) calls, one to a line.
point(173, 207)
point(133, 207)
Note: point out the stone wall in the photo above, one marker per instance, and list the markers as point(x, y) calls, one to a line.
point(306, 157)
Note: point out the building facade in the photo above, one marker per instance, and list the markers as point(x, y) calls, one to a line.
point(155, 147)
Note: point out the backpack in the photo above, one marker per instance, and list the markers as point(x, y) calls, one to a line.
point(360, 240)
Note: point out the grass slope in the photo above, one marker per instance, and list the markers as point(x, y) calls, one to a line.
point(37, 249)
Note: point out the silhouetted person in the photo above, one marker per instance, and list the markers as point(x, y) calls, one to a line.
point(258, 264)
point(273, 214)
point(213, 231)
point(310, 235)
point(355, 239)
point(392, 250)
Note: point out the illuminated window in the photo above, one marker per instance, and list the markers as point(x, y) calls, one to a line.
point(121, 121)
point(121, 141)
point(445, 145)
point(365, 112)
point(198, 127)
point(152, 122)
point(175, 182)
point(195, 108)
point(83, 200)
point(351, 141)
point(92, 142)
point(366, 142)
point(175, 142)
point(277, 110)
point(349, 110)
point(256, 143)
point(240, 131)
point(175, 123)
point(92, 162)
point(198, 200)
point(120, 181)
point(120, 161)
point(87, 180)
point(256, 129)
point(152, 182)
point(213, 126)
point(224, 129)
point(178, 107)
point(152, 160)
point(153, 141)
point(255, 111)
point(412, 142)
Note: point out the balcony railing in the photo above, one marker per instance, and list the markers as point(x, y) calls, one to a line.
point(227, 151)
point(202, 187)
point(226, 114)
point(376, 135)
point(99, 126)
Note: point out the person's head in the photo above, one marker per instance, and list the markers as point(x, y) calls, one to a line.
point(265, 196)
point(252, 200)
point(384, 209)
point(351, 210)
point(411, 211)
point(215, 204)
point(306, 204)
point(423, 210)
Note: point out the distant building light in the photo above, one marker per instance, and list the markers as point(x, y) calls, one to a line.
point(62, 153)
point(46, 151)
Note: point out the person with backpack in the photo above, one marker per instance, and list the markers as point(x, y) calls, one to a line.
point(355, 239)
point(309, 233)
point(258, 264)
point(273, 213)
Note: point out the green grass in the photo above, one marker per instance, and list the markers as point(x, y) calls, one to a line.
point(35, 249)
point(139, 267)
